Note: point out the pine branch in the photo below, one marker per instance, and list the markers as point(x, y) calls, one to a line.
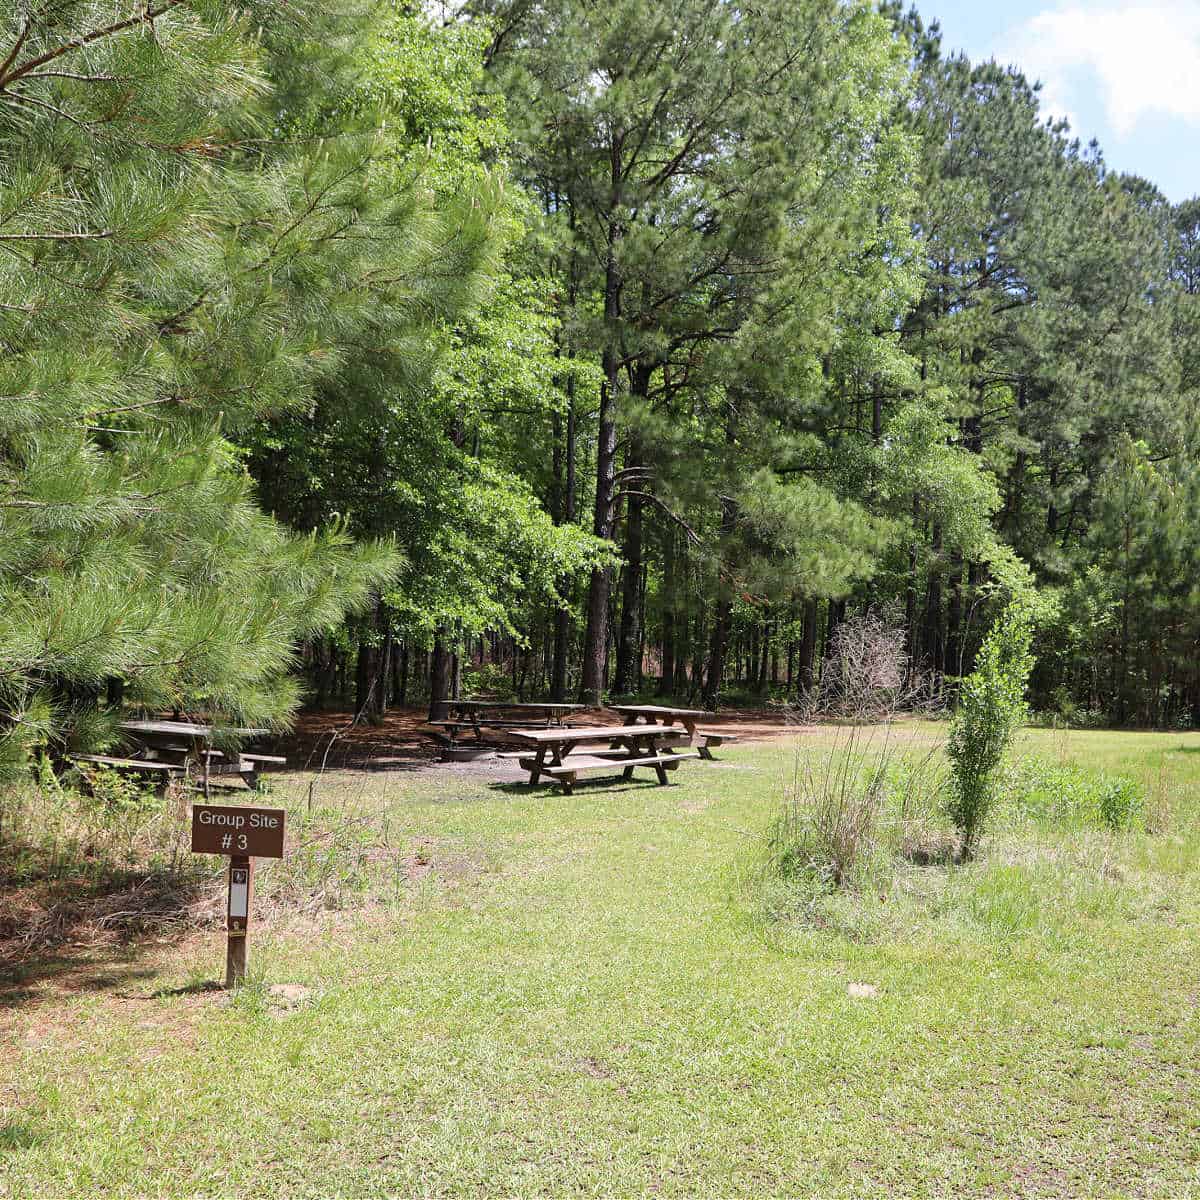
point(98, 235)
point(72, 75)
point(171, 324)
point(9, 74)
point(19, 98)
point(313, 205)
point(12, 55)
point(692, 536)
point(124, 408)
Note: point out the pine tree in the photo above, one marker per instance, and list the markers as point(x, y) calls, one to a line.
point(697, 162)
point(183, 256)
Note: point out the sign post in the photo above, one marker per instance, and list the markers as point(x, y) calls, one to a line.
point(237, 918)
point(242, 833)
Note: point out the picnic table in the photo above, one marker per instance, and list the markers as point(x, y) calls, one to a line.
point(510, 713)
point(655, 714)
point(666, 715)
point(182, 744)
point(478, 715)
point(552, 751)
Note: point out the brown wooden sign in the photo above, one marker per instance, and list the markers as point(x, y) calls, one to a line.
point(234, 830)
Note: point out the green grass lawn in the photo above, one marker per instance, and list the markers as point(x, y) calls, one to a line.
point(517, 992)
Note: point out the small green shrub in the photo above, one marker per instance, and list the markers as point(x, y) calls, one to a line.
point(1063, 712)
point(1121, 803)
point(1069, 796)
point(488, 679)
point(991, 707)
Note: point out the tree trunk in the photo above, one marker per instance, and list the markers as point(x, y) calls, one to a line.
point(566, 515)
point(667, 678)
point(362, 678)
point(685, 643)
point(441, 676)
point(935, 644)
point(954, 647)
point(385, 668)
point(595, 647)
point(697, 680)
point(911, 631)
point(326, 656)
point(369, 678)
point(629, 638)
point(716, 652)
point(808, 648)
point(760, 684)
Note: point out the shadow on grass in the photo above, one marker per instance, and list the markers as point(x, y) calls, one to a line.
point(22, 983)
point(82, 926)
point(937, 849)
point(203, 988)
point(601, 783)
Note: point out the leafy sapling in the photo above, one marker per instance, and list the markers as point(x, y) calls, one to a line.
point(992, 707)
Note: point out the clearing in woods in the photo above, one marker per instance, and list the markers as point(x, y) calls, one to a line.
point(478, 987)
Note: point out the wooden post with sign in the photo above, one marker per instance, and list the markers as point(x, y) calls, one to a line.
point(243, 834)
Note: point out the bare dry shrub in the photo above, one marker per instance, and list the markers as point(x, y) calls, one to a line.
point(867, 674)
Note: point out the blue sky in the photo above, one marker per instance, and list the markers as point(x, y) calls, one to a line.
point(1126, 72)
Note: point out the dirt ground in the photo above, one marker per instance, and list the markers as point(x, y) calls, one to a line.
point(332, 741)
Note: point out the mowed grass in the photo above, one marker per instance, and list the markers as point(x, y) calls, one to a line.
point(583, 995)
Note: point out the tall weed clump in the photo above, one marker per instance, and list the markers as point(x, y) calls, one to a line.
point(836, 830)
point(827, 830)
point(991, 708)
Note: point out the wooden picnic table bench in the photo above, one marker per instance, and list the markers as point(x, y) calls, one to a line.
point(187, 729)
point(662, 714)
point(624, 747)
point(548, 706)
point(689, 718)
point(478, 715)
point(510, 713)
point(180, 743)
point(161, 774)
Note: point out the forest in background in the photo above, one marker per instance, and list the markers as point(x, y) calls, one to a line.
point(358, 353)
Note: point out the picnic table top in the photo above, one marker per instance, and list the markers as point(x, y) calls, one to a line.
point(519, 704)
point(185, 729)
point(661, 710)
point(589, 733)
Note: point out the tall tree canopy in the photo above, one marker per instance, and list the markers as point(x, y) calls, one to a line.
point(587, 348)
point(713, 179)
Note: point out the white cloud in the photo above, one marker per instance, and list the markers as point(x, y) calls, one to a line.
point(1144, 58)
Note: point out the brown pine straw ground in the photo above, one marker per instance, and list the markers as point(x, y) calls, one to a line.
point(337, 741)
